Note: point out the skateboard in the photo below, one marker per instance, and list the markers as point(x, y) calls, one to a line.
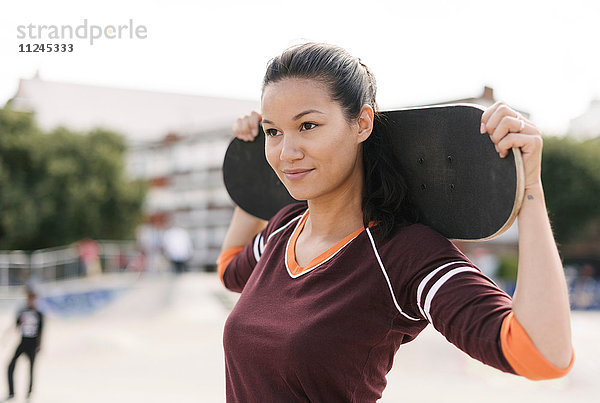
point(456, 179)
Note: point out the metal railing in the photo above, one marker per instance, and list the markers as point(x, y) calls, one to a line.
point(61, 263)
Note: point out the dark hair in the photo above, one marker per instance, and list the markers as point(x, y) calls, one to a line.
point(351, 84)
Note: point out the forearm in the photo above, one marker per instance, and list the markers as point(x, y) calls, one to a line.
point(541, 301)
point(242, 228)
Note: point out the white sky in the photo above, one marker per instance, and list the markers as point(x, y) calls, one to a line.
point(539, 56)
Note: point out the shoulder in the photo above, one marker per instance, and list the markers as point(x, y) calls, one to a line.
point(285, 216)
point(418, 229)
point(290, 210)
point(419, 259)
point(414, 250)
point(284, 219)
point(275, 228)
point(417, 239)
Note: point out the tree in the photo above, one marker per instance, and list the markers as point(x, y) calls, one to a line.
point(571, 179)
point(62, 186)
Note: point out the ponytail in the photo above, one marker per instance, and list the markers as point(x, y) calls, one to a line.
point(385, 193)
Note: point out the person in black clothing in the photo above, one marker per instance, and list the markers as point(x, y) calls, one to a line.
point(30, 322)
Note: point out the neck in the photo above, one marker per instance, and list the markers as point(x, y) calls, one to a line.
point(339, 213)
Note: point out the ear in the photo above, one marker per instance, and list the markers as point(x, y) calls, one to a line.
point(365, 122)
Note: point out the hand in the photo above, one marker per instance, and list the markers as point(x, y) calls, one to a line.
point(37, 349)
point(246, 127)
point(506, 131)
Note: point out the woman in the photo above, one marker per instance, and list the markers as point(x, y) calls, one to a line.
point(334, 285)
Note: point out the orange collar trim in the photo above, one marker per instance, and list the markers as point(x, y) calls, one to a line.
point(296, 270)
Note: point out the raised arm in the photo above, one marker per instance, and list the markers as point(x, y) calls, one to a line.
point(243, 226)
point(541, 301)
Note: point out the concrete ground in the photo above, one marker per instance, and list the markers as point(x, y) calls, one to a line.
point(161, 341)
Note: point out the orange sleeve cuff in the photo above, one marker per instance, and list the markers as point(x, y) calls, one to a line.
point(523, 356)
point(224, 258)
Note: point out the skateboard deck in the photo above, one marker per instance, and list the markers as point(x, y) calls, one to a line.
point(456, 179)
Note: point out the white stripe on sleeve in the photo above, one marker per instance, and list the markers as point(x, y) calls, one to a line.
point(424, 282)
point(255, 247)
point(438, 284)
point(259, 244)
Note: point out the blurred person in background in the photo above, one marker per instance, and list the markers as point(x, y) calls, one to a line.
point(89, 256)
point(150, 245)
point(30, 322)
point(584, 291)
point(178, 248)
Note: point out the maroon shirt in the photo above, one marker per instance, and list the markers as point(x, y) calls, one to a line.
point(331, 332)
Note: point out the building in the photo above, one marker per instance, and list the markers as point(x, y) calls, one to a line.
point(175, 141)
point(187, 187)
point(141, 116)
point(587, 125)
point(485, 99)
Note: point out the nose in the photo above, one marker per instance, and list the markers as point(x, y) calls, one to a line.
point(290, 148)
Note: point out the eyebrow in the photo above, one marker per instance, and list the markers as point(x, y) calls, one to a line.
point(298, 116)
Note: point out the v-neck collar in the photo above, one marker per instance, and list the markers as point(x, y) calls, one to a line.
point(295, 270)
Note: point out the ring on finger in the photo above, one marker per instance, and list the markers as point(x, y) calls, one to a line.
point(522, 124)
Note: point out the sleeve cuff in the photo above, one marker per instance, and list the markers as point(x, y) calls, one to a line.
point(225, 258)
point(523, 356)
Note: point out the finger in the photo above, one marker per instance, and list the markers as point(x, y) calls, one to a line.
point(246, 127)
point(246, 136)
point(255, 119)
point(488, 123)
point(526, 120)
point(507, 125)
point(526, 142)
point(250, 126)
point(489, 111)
point(239, 127)
point(487, 114)
point(501, 111)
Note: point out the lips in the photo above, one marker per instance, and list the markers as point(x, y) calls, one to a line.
point(297, 173)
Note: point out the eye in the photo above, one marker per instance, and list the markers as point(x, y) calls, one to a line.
point(271, 132)
point(309, 123)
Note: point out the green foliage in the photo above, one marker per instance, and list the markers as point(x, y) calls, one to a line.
point(59, 187)
point(571, 179)
point(508, 266)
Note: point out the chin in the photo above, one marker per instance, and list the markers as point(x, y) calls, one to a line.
point(298, 193)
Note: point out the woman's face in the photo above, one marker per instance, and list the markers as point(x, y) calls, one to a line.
point(309, 144)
